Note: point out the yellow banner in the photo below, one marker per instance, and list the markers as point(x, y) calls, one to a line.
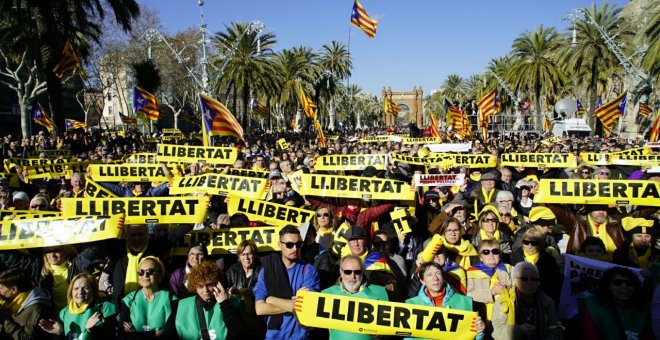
point(142, 158)
point(196, 154)
point(424, 140)
point(248, 173)
point(284, 146)
point(351, 162)
point(634, 151)
point(11, 163)
point(473, 160)
point(380, 139)
point(534, 160)
point(577, 191)
point(271, 213)
point(140, 210)
point(93, 189)
point(167, 138)
point(25, 214)
point(594, 158)
point(54, 171)
point(400, 221)
point(49, 153)
point(49, 232)
point(225, 241)
point(374, 317)
point(217, 184)
point(127, 173)
point(170, 131)
point(351, 187)
point(635, 160)
point(444, 161)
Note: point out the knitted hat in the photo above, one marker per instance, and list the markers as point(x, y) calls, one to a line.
point(542, 216)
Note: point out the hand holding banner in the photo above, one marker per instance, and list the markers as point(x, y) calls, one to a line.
point(579, 191)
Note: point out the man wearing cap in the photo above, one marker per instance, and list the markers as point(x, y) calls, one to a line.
point(640, 236)
point(352, 283)
point(487, 192)
point(356, 237)
point(21, 200)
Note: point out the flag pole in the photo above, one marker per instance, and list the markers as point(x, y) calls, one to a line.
point(348, 78)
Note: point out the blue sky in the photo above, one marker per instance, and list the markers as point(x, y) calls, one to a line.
point(418, 42)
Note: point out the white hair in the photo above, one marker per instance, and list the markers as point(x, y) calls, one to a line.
point(503, 195)
point(521, 267)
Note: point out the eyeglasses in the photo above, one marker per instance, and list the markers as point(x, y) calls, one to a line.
point(486, 220)
point(357, 272)
point(323, 215)
point(490, 251)
point(620, 282)
point(148, 272)
point(526, 278)
point(452, 231)
point(290, 245)
point(40, 206)
point(603, 173)
point(529, 242)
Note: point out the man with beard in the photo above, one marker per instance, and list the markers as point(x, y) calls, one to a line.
point(597, 223)
point(640, 233)
point(352, 283)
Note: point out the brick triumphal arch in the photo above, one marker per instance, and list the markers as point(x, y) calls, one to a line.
point(409, 103)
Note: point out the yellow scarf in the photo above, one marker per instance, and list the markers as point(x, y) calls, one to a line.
point(131, 282)
point(643, 260)
point(533, 258)
point(324, 231)
point(60, 283)
point(75, 309)
point(464, 250)
point(487, 196)
point(484, 236)
point(601, 233)
point(16, 303)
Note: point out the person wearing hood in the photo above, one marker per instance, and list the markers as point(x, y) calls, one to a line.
point(641, 235)
point(23, 306)
point(436, 292)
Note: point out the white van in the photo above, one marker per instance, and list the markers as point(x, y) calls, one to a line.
point(570, 127)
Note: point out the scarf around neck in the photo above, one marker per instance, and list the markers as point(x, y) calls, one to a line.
point(131, 282)
point(75, 309)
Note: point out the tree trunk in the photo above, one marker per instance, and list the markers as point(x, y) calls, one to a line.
point(245, 99)
point(593, 89)
point(25, 118)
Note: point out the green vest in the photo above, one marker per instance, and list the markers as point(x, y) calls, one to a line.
point(373, 292)
point(633, 320)
point(74, 324)
point(148, 316)
point(187, 322)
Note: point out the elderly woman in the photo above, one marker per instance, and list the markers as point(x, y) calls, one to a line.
point(489, 227)
point(179, 278)
point(618, 310)
point(435, 292)
point(85, 317)
point(534, 314)
point(211, 312)
point(146, 311)
point(489, 277)
point(533, 251)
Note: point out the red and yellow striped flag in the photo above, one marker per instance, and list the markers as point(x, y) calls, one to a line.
point(218, 120)
point(488, 106)
point(391, 107)
point(644, 109)
point(321, 135)
point(361, 20)
point(610, 113)
point(433, 125)
point(308, 105)
point(68, 62)
point(547, 123)
point(655, 129)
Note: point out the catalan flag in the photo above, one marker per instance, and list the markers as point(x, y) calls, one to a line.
point(433, 126)
point(259, 108)
point(488, 106)
point(41, 117)
point(644, 109)
point(308, 105)
point(391, 107)
point(321, 135)
point(547, 123)
point(72, 124)
point(218, 121)
point(68, 62)
point(127, 120)
point(580, 109)
point(455, 118)
point(610, 113)
point(145, 104)
point(361, 20)
point(655, 129)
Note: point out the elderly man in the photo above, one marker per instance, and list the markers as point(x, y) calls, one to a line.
point(640, 235)
point(352, 283)
point(486, 192)
point(77, 185)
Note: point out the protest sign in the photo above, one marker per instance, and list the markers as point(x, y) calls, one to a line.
point(588, 191)
point(226, 241)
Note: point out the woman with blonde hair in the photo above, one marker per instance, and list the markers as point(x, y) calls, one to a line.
point(85, 317)
point(325, 224)
point(488, 278)
point(490, 227)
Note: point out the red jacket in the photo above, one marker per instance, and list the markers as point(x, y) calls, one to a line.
point(354, 217)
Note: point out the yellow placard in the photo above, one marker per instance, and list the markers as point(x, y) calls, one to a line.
point(352, 187)
point(351, 162)
point(218, 184)
point(578, 191)
point(594, 158)
point(128, 173)
point(140, 210)
point(379, 139)
point(534, 160)
point(442, 160)
point(49, 232)
point(374, 317)
point(11, 163)
point(284, 146)
point(225, 241)
point(170, 131)
point(401, 221)
point(49, 153)
point(270, 213)
point(93, 189)
point(474, 160)
point(247, 173)
point(634, 151)
point(423, 140)
point(142, 158)
point(635, 160)
point(26, 214)
point(196, 154)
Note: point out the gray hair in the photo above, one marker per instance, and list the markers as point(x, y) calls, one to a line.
point(503, 195)
point(521, 267)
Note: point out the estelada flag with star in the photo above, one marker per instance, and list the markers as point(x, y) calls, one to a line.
point(218, 120)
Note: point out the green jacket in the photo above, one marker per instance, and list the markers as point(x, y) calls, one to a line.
point(373, 292)
point(24, 324)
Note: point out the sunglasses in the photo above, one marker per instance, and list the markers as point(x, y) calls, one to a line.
point(290, 245)
point(323, 215)
point(357, 272)
point(620, 282)
point(40, 206)
point(490, 251)
point(148, 272)
point(528, 242)
point(486, 220)
point(604, 173)
point(532, 279)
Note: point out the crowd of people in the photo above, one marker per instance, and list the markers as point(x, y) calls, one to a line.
point(484, 246)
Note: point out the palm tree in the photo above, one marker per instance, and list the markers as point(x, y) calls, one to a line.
point(534, 67)
point(651, 60)
point(45, 26)
point(335, 63)
point(453, 88)
point(292, 67)
point(247, 58)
